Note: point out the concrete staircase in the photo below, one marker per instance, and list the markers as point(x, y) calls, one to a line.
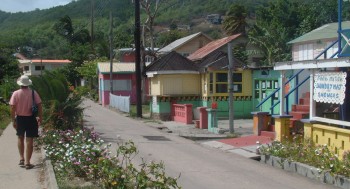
point(299, 111)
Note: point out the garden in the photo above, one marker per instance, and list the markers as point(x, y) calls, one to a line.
point(303, 156)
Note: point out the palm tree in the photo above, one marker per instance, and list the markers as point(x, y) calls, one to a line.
point(61, 104)
point(235, 21)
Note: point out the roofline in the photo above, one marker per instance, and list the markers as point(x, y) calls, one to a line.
point(313, 64)
point(150, 74)
point(198, 33)
point(114, 72)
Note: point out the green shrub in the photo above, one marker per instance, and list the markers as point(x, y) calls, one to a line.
point(82, 154)
point(306, 151)
point(5, 116)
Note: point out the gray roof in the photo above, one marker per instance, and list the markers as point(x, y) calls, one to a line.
point(173, 61)
point(172, 46)
point(327, 31)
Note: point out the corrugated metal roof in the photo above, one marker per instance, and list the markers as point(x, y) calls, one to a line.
point(212, 46)
point(327, 31)
point(172, 46)
point(120, 67)
point(44, 61)
point(218, 60)
point(171, 62)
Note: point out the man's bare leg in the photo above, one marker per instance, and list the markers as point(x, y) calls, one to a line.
point(20, 145)
point(29, 149)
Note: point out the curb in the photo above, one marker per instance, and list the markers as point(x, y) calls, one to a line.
point(50, 178)
point(306, 171)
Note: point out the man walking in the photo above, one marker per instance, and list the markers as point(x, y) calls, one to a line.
point(25, 123)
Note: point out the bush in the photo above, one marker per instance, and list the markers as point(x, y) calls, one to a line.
point(82, 154)
point(305, 151)
point(5, 116)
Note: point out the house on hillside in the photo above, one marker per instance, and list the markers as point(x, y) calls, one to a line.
point(321, 110)
point(213, 60)
point(214, 18)
point(35, 67)
point(128, 55)
point(207, 80)
point(124, 81)
point(187, 45)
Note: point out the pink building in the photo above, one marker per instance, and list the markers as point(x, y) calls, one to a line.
point(123, 79)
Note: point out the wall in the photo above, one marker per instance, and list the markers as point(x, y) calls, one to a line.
point(175, 84)
point(119, 86)
point(337, 139)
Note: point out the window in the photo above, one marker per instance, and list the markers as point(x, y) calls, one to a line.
point(149, 58)
point(306, 52)
point(221, 77)
point(38, 68)
point(211, 81)
point(222, 82)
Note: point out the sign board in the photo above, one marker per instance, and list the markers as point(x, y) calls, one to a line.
point(329, 87)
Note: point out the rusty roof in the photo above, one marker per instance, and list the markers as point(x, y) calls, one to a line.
point(211, 47)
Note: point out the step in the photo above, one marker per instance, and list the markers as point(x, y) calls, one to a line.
point(300, 108)
point(304, 101)
point(299, 114)
point(306, 95)
point(270, 134)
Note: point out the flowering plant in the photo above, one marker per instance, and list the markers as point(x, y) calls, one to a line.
point(305, 151)
point(83, 154)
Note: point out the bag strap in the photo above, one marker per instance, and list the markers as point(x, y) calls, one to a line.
point(33, 97)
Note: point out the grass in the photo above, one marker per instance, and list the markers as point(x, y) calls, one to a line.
point(4, 122)
point(145, 110)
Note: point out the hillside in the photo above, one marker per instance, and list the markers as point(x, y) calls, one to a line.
point(35, 28)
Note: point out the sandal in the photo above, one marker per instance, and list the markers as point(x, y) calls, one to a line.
point(21, 162)
point(29, 166)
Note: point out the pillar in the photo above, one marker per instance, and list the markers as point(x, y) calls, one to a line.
point(282, 127)
point(260, 122)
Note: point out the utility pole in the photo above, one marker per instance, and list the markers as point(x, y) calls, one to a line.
point(92, 24)
point(111, 52)
point(230, 86)
point(138, 59)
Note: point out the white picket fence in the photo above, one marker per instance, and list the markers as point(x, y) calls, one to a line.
point(121, 103)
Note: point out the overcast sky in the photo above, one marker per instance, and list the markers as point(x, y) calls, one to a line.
point(29, 5)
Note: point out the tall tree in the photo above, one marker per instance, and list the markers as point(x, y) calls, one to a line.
point(235, 21)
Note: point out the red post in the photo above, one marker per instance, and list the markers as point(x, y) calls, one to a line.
point(203, 118)
point(189, 115)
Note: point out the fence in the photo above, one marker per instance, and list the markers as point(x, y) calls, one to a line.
point(121, 103)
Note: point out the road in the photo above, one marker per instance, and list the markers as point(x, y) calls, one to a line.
point(200, 167)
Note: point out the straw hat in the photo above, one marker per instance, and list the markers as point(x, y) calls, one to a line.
point(24, 81)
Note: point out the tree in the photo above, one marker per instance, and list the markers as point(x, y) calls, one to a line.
point(235, 21)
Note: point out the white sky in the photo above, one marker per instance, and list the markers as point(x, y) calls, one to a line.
point(29, 5)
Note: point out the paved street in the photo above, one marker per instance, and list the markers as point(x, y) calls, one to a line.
point(200, 166)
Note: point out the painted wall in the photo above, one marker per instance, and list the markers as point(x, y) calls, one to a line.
point(175, 84)
point(47, 67)
point(128, 57)
point(209, 88)
point(337, 139)
point(123, 84)
point(260, 80)
point(310, 49)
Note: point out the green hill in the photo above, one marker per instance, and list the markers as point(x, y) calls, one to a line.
point(35, 28)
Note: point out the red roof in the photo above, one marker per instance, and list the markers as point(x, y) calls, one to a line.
point(211, 47)
point(51, 61)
